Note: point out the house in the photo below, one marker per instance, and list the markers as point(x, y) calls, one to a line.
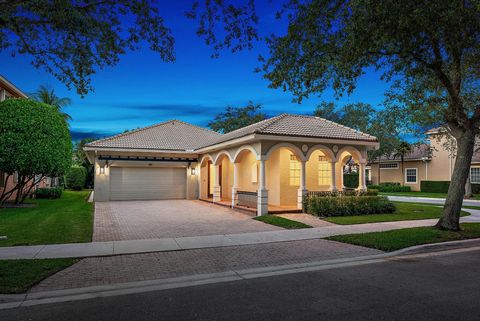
point(433, 161)
point(269, 164)
point(7, 182)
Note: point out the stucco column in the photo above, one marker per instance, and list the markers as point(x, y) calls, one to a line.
point(216, 184)
point(333, 182)
point(262, 193)
point(235, 185)
point(302, 190)
point(362, 184)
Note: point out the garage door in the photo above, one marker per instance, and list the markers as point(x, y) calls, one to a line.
point(136, 183)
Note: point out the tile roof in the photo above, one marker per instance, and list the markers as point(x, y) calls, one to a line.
point(171, 135)
point(300, 126)
point(418, 151)
point(177, 135)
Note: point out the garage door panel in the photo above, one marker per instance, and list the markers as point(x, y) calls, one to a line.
point(136, 183)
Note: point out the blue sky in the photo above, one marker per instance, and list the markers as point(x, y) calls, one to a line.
point(142, 90)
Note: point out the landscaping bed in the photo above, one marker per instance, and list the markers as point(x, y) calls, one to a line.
point(403, 212)
point(403, 238)
point(68, 219)
point(281, 222)
point(17, 276)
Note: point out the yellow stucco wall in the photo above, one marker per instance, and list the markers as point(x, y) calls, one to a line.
point(245, 166)
point(395, 175)
point(312, 172)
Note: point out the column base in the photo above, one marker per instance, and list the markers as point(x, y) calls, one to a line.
point(333, 189)
point(217, 194)
point(234, 196)
point(262, 202)
point(301, 193)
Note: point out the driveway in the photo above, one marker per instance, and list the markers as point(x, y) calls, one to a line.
point(130, 220)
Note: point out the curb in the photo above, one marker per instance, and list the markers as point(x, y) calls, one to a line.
point(57, 296)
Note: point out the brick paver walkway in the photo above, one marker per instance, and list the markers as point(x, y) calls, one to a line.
point(139, 267)
point(135, 220)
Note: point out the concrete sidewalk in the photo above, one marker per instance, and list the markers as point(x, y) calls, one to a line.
point(429, 200)
point(72, 250)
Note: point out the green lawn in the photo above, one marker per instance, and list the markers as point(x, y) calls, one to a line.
point(405, 211)
point(423, 194)
point(399, 239)
point(17, 276)
point(65, 220)
point(281, 221)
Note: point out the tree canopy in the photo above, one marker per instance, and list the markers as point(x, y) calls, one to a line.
point(34, 143)
point(47, 95)
point(237, 117)
point(365, 118)
point(73, 39)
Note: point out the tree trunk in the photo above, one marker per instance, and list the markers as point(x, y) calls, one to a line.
point(450, 219)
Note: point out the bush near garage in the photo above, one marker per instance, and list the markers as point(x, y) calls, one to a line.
point(341, 205)
point(49, 193)
point(76, 177)
point(390, 187)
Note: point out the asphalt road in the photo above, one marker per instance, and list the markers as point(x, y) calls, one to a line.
point(435, 288)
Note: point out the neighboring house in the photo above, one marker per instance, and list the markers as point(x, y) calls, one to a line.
point(427, 162)
point(270, 163)
point(8, 91)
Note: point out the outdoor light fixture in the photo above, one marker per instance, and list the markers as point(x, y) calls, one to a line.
point(193, 171)
point(102, 170)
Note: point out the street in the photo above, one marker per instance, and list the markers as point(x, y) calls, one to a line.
point(445, 287)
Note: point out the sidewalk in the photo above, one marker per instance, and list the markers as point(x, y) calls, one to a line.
point(429, 200)
point(73, 250)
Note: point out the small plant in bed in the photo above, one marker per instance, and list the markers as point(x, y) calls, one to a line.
point(281, 222)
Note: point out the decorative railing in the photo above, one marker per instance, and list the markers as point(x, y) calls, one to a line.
point(247, 199)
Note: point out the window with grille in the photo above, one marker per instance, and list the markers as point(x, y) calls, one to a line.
point(294, 171)
point(388, 165)
point(324, 168)
point(411, 175)
point(475, 175)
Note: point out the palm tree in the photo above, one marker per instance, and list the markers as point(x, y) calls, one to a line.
point(47, 95)
point(402, 150)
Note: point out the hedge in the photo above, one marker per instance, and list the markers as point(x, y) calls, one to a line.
point(350, 180)
point(434, 186)
point(76, 177)
point(348, 205)
point(390, 187)
point(53, 192)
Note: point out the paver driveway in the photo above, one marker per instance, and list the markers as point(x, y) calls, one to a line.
point(130, 220)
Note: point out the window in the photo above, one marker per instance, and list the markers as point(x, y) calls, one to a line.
point(475, 175)
point(324, 169)
point(2, 179)
point(294, 171)
point(411, 175)
point(254, 173)
point(388, 165)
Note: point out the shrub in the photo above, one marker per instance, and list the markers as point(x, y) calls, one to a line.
point(390, 187)
point(434, 186)
point(76, 177)
point(51, 193)
point(348, 205)
point(371, 192)
point(350, 180)
point(34, 142)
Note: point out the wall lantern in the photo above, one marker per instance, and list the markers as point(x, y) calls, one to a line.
point(193, 171)
point(102, 170)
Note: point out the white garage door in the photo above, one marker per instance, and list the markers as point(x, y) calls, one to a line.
point(137, 183)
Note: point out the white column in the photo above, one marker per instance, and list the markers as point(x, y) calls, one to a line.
point(235, 185)
point(262, 193)
point(216, 184)
point(362, 186)
point(333, 183)
point(302, 190)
